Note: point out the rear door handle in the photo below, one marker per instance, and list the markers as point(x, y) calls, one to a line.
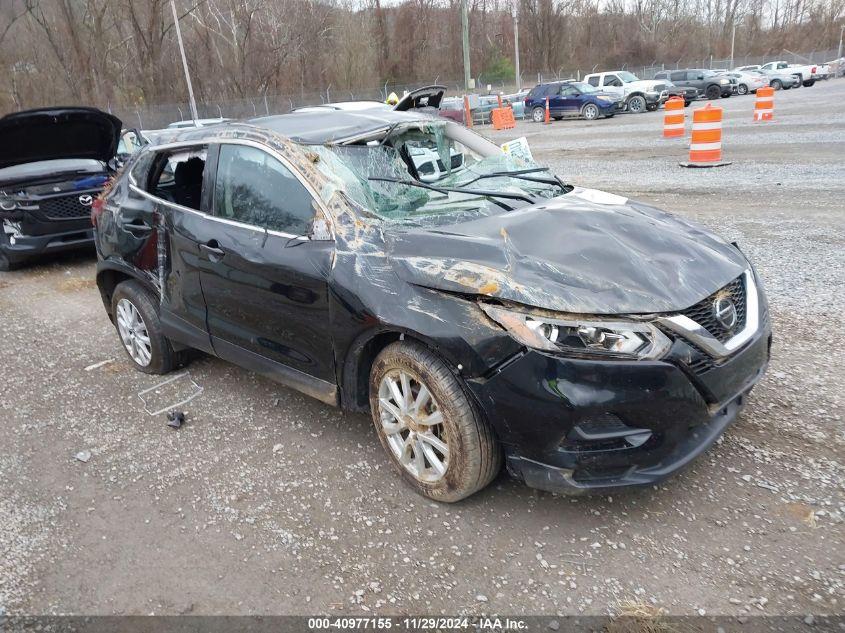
point(212, 247)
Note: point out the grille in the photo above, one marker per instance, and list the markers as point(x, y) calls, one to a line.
point(702, 312)
point(64, 208)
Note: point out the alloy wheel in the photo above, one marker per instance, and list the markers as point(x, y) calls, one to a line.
point(133, 332)
point(636, 105)
point(742, 89)
point(591, 112)
point(413, 425)
point(538, 114)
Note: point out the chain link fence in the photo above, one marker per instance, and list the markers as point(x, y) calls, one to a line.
point(150, 117)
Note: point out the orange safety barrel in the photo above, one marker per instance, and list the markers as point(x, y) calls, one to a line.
point(673, 118)
point(502, 118)
point(705, 149)
point(467, 112)
point(706, 143)
point(548, 113)
point(764, 107)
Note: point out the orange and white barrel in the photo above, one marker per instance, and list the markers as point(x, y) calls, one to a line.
point(548, 113)
point(673, 118)
point(706, 143)
point(764, 107)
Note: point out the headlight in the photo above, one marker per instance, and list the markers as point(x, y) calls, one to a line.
point(724, 81)
point(619, 339)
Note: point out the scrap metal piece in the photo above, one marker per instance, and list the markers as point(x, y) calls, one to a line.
point(175, 419)
point(197, 390)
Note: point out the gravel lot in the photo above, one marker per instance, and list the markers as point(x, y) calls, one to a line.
point(270, 502)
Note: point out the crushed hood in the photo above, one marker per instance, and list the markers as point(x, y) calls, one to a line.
point(586, 252)
point(57, 133)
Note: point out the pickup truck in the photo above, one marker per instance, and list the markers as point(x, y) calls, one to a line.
point(638, 95)
point(807, 75)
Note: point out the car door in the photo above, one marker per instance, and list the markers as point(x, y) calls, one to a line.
point(679, 78)
point(612, 84)
point(570, 100)
point(163, 222)
point(265, 281)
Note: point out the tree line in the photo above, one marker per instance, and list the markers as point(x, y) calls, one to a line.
point(124, 52)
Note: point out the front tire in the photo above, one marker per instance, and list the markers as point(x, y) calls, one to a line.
point(137, 322)
point(590, 112)
point(538, 115)
point(434, 435)
point(6, 264)
point(777, 84)
point(636, 104)
point(651, 107)
point(742, 89)
point(713, 92)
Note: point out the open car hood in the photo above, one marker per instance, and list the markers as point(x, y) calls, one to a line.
point(426, 97)
point(585, 252)
point(57, 133)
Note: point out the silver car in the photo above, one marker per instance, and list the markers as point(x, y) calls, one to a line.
point(777, 79)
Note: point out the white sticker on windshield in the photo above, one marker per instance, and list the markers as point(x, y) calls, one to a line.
point(518, 149)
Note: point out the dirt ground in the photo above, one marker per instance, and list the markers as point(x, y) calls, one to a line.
point(269, 502)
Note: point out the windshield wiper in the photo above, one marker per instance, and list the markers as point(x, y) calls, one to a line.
point(522, 175)
point(474, 192)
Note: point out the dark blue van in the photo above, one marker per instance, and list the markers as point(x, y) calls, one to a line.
point(570, 99)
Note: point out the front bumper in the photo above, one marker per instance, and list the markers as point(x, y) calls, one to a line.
point(571, 425)
point(21, 248)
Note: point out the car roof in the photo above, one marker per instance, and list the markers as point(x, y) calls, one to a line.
point(317, 128)
point(325, 127)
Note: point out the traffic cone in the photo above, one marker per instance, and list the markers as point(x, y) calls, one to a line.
point(467, 112)
point(764, 107)
point(673, 118)
point(548, 114)
point(705, 149)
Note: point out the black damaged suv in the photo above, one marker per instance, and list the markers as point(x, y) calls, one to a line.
point(591, 341)
point(53, 164)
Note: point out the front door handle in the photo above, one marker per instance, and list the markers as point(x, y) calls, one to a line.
point(213, 248)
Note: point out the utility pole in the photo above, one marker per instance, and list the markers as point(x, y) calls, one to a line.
point(733, 39)
point(516, 48)
point(193, 102)
point(841, 31)
point(465, 41)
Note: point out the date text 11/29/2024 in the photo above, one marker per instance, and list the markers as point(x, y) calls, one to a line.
point(407, 623)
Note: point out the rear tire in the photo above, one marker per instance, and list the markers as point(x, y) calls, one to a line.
point(136, 319)
point(472, 457)
point(538, 115)
point(809, 83)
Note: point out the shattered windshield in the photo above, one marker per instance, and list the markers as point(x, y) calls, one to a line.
point(411, 174)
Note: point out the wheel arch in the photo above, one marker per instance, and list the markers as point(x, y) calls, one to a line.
point(110, 275)
point(359, 360)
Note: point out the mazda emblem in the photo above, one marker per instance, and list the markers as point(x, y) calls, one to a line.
point(85, 200)
point(725, 312)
